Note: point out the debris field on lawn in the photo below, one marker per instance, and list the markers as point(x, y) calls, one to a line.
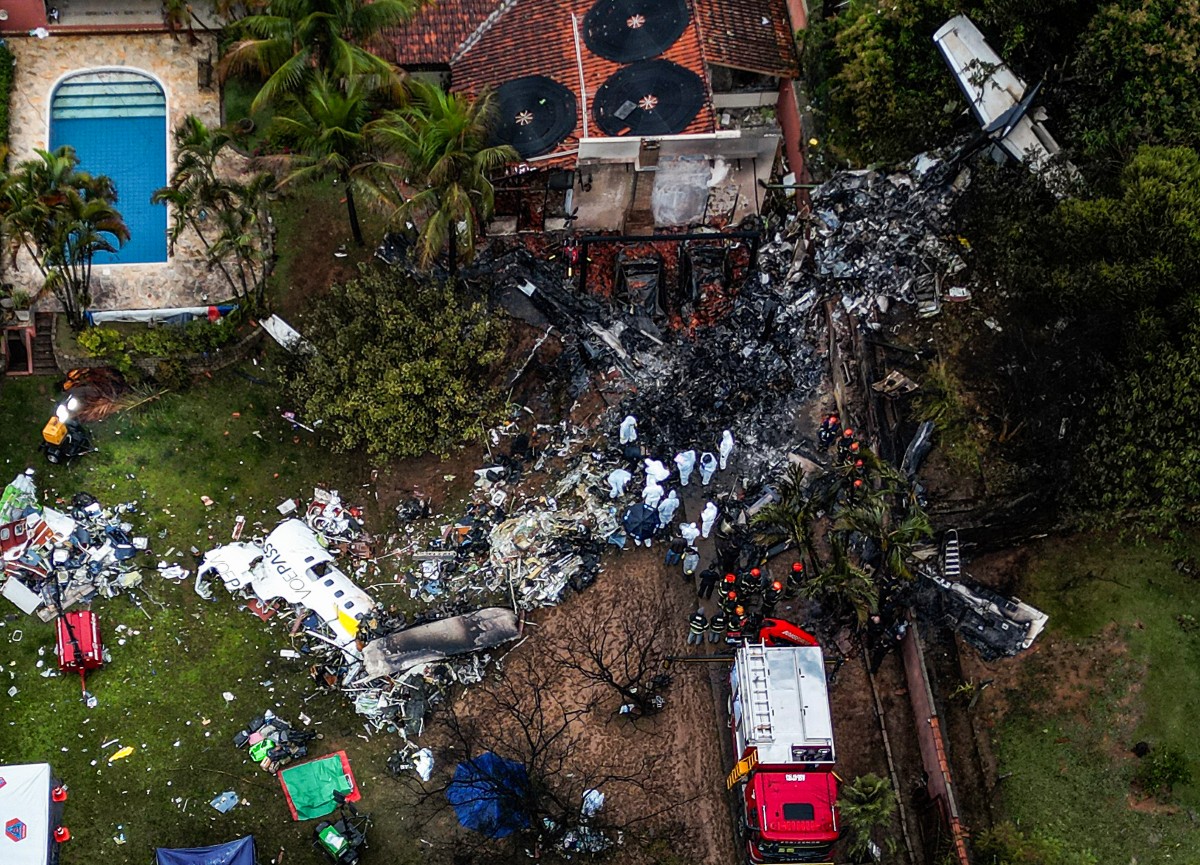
point(55, 559)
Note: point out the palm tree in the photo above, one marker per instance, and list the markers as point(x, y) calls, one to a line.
point(204, 201)
point(441, 139)
point(794, 517)
point(896, 540)
point(61, 217)
point(843, 585)
point(865, 804)
point(326, 127)
point(291, 41)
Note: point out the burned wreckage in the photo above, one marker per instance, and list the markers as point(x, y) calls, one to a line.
point(699, 335)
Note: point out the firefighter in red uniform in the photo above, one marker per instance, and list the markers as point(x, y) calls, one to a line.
point(733, 629)
point(844, 443)
point(830, 427)
point(771, 598)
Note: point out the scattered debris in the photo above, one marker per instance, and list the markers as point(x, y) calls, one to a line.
point(54, 560)
point(273, 742)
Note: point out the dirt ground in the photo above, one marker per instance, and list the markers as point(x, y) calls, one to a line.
point(688, 731)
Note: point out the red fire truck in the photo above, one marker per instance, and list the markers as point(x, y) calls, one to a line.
point(782, 733)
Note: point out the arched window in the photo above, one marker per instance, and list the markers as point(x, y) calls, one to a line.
point(117, 122)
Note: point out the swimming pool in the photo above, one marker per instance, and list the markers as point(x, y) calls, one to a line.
point(117, 123)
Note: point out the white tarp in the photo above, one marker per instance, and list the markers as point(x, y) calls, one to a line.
point(25, 814)
point(292, 564)
point(26, 599)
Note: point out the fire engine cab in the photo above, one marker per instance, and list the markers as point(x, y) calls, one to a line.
point(782, 733)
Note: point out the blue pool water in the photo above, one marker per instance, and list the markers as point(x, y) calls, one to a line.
point(116, 121)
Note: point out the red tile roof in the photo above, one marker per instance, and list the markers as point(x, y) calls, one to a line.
point(735, 35)
point(435, 33)
point(535, 37)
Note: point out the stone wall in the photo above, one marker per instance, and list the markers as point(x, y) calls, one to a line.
point(183, 280)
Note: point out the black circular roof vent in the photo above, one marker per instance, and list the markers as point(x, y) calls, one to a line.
point(626, 31)
point(533, 114)
point(654, 97)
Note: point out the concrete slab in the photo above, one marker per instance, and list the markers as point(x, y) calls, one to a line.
point(603, 194)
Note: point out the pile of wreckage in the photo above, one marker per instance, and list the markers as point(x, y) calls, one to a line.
point(881, 236)
point(54, 559)
point(995, 625)
point(873, 237)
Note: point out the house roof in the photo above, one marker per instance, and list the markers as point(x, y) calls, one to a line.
point(435, 33)
point(536, 37)
point(755, 35)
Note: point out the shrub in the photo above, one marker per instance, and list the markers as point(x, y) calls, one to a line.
point(868, 803)
point(107, 344)
point(402, 369)
point(1162, 769)
point(1005, 844)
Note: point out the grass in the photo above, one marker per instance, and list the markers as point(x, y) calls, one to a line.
point(312, 224)
point(1072, 773)
point(162, 691)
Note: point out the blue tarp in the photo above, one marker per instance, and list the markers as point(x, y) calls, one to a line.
point(239, 852)
point(487, 794)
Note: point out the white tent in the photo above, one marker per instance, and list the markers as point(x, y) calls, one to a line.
point(28, 815)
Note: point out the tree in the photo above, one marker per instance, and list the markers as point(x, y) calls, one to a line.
point(230, 218)
point(1120, 271)
point(872, 519)
point(402, 366)
point(1139, 73)
point(793, 518)
point(326, 127)
point(442, 140)
point(623, 649)
point(866, 804)
point(61, 217)
point(845, 588)
point(293, 41)
point(524, 717)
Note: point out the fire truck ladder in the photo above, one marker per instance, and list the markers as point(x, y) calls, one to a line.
point(757, 708)
point(759, 698)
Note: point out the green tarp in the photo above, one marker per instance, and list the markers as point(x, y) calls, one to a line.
point(310, 786)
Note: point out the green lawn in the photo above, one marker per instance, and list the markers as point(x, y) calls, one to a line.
point(162, 692)
point(1071, 771)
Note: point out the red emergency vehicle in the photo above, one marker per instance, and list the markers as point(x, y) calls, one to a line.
point(782, 731)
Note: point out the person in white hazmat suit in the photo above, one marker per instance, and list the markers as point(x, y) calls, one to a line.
point(686, 463)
